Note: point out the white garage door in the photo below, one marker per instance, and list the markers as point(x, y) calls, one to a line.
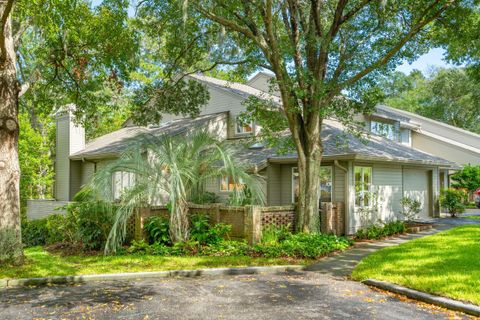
point(416, 186)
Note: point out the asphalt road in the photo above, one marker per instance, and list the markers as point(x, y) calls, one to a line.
point(305, 295)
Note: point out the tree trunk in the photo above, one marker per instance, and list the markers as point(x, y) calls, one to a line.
point(9, 130)
point(308, 217)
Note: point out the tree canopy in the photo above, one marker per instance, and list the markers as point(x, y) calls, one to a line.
point(448, 95)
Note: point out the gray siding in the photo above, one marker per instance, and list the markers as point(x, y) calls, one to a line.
point(339, 177)
point(387, 181)
point(274, 185)
point(38, 209)
point(88, 169)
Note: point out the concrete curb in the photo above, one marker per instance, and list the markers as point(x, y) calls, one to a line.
point(8, 283)
point(426, 297)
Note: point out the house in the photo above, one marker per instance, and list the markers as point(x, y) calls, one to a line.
point(397, 161)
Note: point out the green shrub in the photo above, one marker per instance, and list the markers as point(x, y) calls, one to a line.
point(377, 231)
point(227, 248)
point(93, 221)
point(10, 247)
point(203, 233)
point(411, 208)
point(157, 228)
point(452, 200)
point(303, 245)
point(34, 232)
point(61, 228)
point(273, 234)
point(204, 198)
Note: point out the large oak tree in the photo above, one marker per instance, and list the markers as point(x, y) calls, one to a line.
point(54, 52)
point(325, 55)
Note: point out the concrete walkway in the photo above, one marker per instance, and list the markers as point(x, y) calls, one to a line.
point(342, 265)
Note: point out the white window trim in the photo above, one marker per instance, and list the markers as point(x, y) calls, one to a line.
point(370, 205)
point(237, 127)
point(395, 132)
point(293, 189)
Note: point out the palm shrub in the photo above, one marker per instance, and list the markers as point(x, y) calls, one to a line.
point(175, 168)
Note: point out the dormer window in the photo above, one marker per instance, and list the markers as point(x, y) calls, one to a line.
point(243, 127)
point(387, 130)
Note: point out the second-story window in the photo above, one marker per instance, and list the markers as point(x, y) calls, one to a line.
point(383, 129)
point(243, 127)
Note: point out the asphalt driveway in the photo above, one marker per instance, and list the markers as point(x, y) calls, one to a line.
point(305, 295)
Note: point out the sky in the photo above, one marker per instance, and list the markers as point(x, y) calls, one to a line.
point(434, 58)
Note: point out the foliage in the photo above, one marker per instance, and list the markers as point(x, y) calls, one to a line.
point(60, 228)
point(273, 234)
point(378, 231)
point(70, 52)
point(204, 198)
point(411, 208)
point(157, 229)
point(36, 165)
point(176, 167)
point(34, 232)
point(454, 253)
point(303, 245)
point(93, 221)
point(452, 200)
point(227, 248)
point(201, 231)
point(448, 95)
point(468, 178)
point(10, 247)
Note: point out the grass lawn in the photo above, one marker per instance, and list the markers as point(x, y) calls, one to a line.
point(472, 217)
point(447, 264)
point(41, 263)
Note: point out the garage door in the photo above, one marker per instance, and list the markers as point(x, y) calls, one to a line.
point(416, 186)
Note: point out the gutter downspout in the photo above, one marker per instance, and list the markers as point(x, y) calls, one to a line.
point(346, 206)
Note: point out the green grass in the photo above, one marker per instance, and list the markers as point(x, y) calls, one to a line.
point(446, 264)
point(472, 217)
point(41, 263)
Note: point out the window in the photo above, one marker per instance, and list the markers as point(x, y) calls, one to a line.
point(121, 182)
point(363, 185)
point(325, 184)
point(228, 184)
point(243, 128)
point(383, 129)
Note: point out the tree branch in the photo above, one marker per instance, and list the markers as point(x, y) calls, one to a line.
point(395, 49)
point(233, 26)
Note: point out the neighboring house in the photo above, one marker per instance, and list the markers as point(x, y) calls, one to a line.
point(393, 163)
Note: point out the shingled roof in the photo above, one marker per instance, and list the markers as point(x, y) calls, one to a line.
point(113, 144)
point(341, 145)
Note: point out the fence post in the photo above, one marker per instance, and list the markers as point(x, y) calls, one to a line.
point(217, 212)
point(253, 224)
point(140, 216)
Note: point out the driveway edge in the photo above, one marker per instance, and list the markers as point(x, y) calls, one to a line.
point(8, 283)
point(426, 297)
